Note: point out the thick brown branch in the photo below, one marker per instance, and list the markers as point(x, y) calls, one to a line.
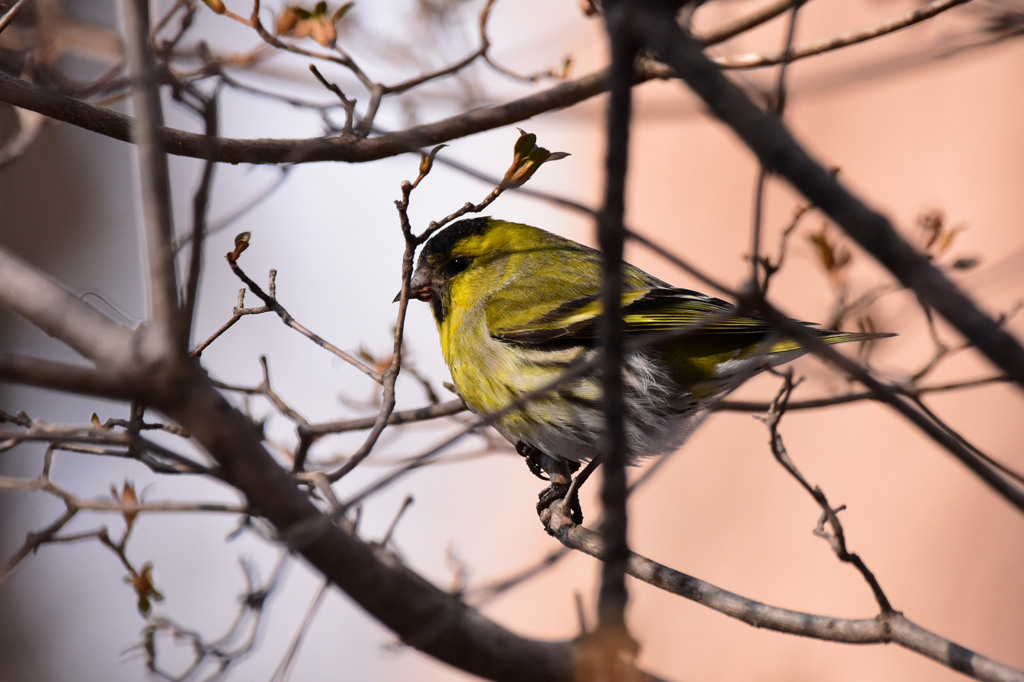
point(422, 615)
point(60, 377)
point(348, 148)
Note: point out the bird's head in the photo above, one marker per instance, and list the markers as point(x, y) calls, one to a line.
point(467, 259)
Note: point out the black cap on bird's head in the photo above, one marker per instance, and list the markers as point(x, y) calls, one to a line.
point(437, 262)
point(443, 241)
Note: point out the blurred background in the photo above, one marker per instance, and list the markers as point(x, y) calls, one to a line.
point(914, 123)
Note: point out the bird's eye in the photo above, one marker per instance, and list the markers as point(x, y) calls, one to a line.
point(456, 265)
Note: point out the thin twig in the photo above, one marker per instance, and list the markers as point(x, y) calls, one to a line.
point(777, 108)
point(283, 670)
point(9, 15)
point(200, 209)
point(844, 40)
point(837, 538)
point(275, 306)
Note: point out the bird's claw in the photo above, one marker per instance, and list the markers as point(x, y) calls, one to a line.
point(555, 494)
point(558, 472)
point(533, 458)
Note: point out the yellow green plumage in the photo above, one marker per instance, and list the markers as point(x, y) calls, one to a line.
point(516, 305)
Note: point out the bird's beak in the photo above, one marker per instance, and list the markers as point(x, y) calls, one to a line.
point(418, 289)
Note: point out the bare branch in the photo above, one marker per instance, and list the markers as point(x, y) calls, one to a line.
point(992, 475)
point(418, 612)
point(779, 152)
point(830, 515)
point(284, 667)
point(200, 209)
point(777, 108)
point(8, 16)
point(166, 332)
point(274, 305)
point(748, 22)
point(815, 403)
point(419, 414)
point(61, 377)
point(304, 510)
point(34, 541)
point(624, 45)
point(350, 149)
point(916, 16)
point(62, 315)
point(889, 627)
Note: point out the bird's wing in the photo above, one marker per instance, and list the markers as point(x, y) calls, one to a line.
point(644, 311)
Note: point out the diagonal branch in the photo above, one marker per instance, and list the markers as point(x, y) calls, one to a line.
point(862, 35)
point(425, 617)
point(888, 627)
point(61, 314)
point(781, 153)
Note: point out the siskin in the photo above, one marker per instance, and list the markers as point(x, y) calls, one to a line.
point(516, 306)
